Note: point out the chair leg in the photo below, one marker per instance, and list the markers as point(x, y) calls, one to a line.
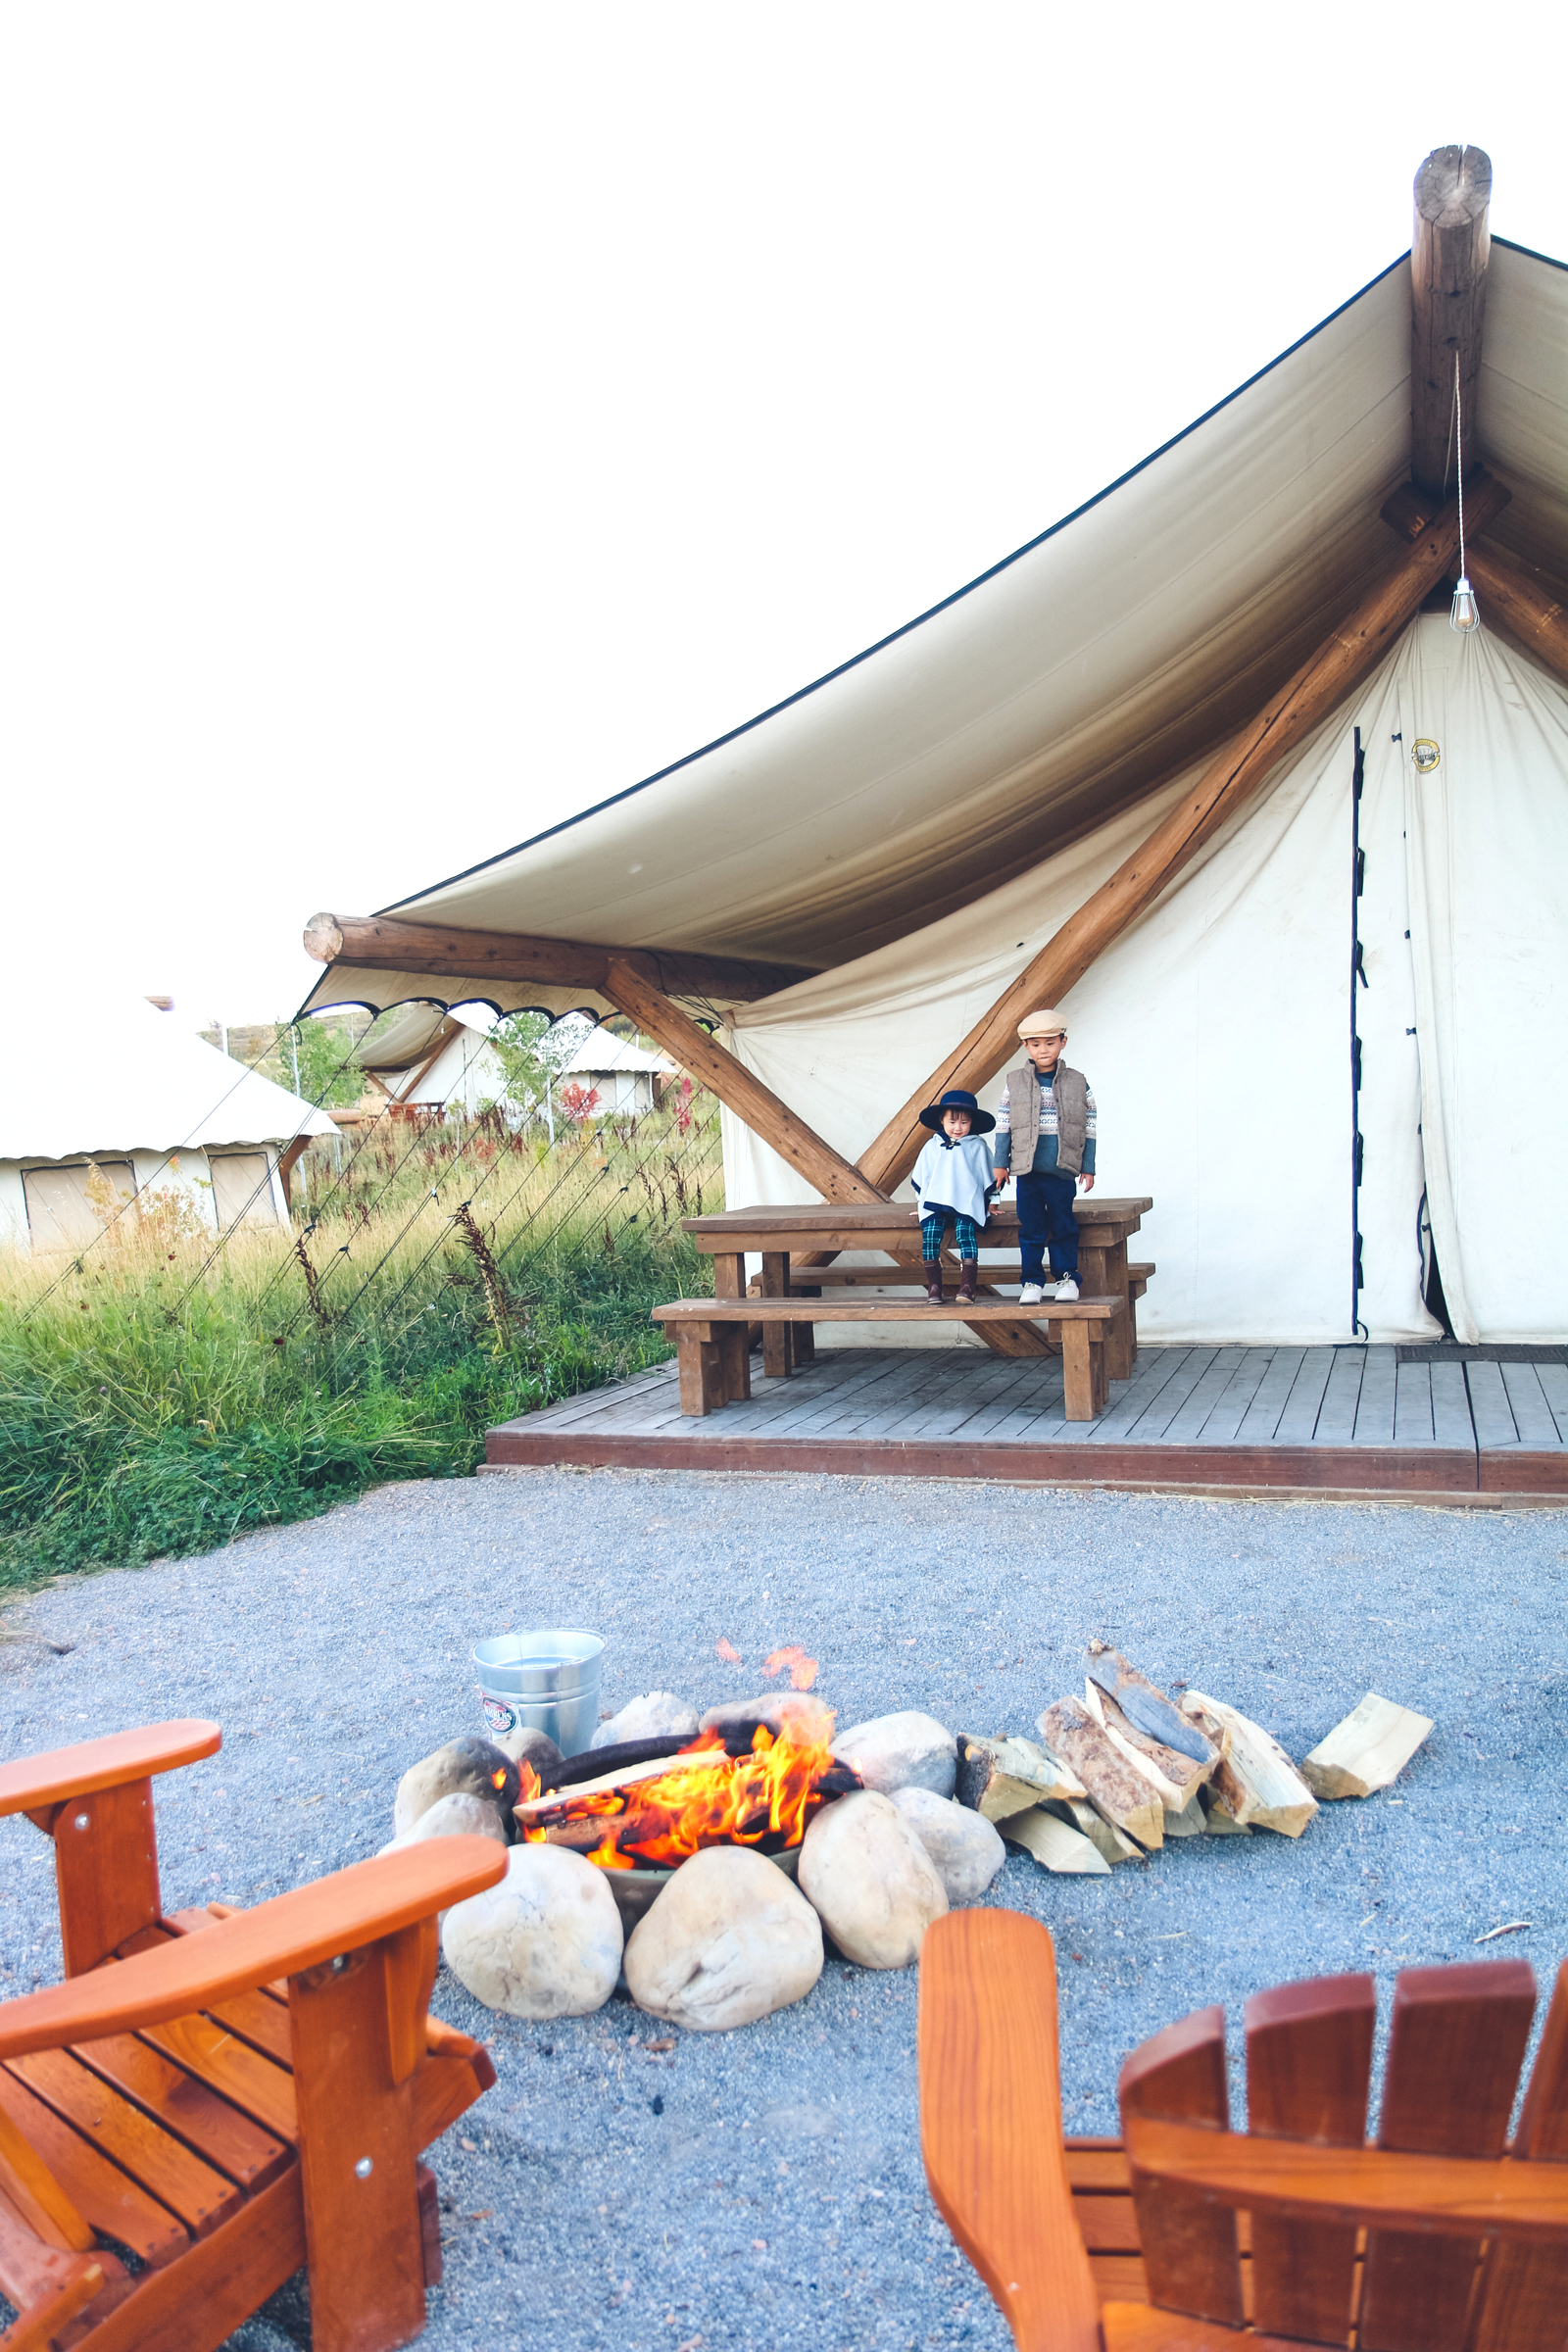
point(362, 2228)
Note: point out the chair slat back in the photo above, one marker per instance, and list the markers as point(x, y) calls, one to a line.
point(1457, 2043)
point(1191, 2259)
point(1525, 2289)
point(1309, 2068)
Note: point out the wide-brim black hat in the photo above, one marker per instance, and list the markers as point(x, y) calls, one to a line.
point(981, 1121)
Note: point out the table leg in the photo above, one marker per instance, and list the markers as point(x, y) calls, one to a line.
point(1078, 1367)
point(777, 1354)
point(700, 1369)
point(1121, 1343)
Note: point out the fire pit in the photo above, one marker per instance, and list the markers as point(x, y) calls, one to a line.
point(639, 1811)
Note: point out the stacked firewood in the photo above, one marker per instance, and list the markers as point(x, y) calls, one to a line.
point(1115, 1772)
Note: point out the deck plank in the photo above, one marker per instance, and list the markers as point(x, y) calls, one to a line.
point(1489, 1409)
point(1156, 1369)
point(1336, 1415)
point(1300, 1418)
point(1162, 1408)
point(1375, 1405)
point(1533, 1416)
point(1262, 1416)
point(1553, 1379)
point(1234, 1402)
point(846, 1397)
point(1452, 1423)
point(1412, 1405)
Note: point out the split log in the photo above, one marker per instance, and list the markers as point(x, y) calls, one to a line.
point(1217, 1823)
point(1192, 1822)
point(1449, 250)
point(1114, 1788)
point(439, 951)
point(1170, 1796)
point(1112, 1843)
point(626, 1776)
point(1367, 1750)
point(587, 1834)
point(1256, 1782)
point(1149, 1728)
point(1346, 657)
point(1053, 1845)
point(1000, 1777)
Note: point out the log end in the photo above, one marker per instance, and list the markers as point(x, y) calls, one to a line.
point(1453, 187)
point(324, 938)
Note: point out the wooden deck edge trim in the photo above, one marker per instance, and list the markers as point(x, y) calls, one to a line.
point(1306, 1469)
point(1519, 1470)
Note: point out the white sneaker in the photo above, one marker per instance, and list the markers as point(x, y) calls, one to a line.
point(1066, 1289)
point(1032, 1295)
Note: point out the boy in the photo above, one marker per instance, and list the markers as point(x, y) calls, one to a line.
point(1050, 1111)
point(952, 1179)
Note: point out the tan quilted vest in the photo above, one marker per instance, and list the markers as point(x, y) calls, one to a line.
point(1071, 1091)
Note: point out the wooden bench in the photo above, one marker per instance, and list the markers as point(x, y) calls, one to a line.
point(713, 1353)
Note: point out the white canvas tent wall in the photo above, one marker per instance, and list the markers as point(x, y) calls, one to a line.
point(153, 1107)
point(429, 1055)
point(1010, 740)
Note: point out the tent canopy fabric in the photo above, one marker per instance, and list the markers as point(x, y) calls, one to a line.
point(1071, 681)
point(121, 1077)
point(601, 1050)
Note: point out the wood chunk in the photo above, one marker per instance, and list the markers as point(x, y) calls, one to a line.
point(1256, 1785)
point(1191, 1822)
point(1054, 1844)
point(1216, 1823)
point(1104, 1835)
point(1123, 1795)
point(1368, 1750)
point(1146, 1707)
point(1173, 1777)
point(999, 1777)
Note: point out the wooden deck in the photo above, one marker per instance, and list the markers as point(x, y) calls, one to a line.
point(1347, 1420)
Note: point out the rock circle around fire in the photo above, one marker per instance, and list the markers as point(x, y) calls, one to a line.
point(906, 1751)
point(729, 1941)
point(966, 1849)
point(870, 1881)
point(545, 1941)
point(656, 1715)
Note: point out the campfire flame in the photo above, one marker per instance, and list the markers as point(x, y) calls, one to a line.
point(802, 1670)
point(767, 1795)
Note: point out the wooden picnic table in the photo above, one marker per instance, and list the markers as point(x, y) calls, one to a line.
point(776, 1234)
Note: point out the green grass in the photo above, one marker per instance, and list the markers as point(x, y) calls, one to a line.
point(146, 1413)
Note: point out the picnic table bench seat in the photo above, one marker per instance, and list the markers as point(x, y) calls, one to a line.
point(713, 1349)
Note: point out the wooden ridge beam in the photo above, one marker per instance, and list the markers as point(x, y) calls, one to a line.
point(1528, 603)
point(432, 950)
point(1344, 657)
point(1450, 249)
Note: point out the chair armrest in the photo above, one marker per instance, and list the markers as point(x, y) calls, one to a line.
point(33, 1781)
point(294, 1931)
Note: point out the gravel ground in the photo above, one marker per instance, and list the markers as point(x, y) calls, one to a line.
point(764, 2187)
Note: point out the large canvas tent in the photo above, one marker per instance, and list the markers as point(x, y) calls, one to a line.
point(844, 887)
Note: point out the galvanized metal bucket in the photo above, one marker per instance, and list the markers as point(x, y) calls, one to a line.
point(546, 1681)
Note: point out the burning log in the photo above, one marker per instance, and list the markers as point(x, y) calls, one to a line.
point(1123, 1795)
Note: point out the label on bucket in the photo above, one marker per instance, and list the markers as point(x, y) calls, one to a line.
point(498, 1716)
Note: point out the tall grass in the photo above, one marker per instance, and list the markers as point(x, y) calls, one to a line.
point(153, 1403)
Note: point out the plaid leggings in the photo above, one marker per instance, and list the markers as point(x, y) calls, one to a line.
point(964, 1229)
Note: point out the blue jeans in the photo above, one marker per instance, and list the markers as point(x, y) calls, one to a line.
point(1045, 1215)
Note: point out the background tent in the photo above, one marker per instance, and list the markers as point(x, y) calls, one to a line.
point(118, 1095)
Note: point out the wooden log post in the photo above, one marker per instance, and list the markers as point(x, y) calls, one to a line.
point(1520, 598)
point(434, 951)
point(1344, 657)
point(1449, 250)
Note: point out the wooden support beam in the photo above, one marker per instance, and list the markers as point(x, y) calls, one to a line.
point(834, 1177)
point(1450, 249)
point(1344, 657)
point(1520, 598)
point(431, 950)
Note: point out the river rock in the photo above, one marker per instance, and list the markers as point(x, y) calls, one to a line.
point(811, 1715)
point(966, 1849)
point(909, 1750)
point(534, 1748)
point(476, 1767)
point(728, 1940)
point(459, 1815)
point(872, 1880)
point(656, 1715)
point(546, 1942)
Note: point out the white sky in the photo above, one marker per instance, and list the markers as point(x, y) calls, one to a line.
point(419, 422)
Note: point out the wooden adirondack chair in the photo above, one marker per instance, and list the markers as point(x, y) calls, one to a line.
point(176, 2099)
point(1439, 2238)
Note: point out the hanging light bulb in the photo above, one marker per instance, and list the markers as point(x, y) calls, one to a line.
point(1464, 613)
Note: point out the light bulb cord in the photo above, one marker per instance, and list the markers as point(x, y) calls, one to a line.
point(1458, 442)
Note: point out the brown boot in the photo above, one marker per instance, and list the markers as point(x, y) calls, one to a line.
point(968, 1275)
point(933, 1282)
